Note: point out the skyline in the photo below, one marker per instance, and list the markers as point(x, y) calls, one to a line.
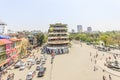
point(101, 15)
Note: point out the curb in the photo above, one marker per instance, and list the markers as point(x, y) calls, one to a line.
point(108, 71)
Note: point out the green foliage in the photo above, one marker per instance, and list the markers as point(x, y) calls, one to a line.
point(109, 38)
point(41, 38)
point(51, 29)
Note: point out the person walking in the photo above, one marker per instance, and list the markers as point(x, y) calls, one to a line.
point(0, 75)
point(104, 78)
point(94, 68)
point(110, 77)
point(90, 54)
point(95, 61)
point(91, 59)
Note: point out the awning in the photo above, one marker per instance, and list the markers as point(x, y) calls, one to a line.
point(4, 37)
point(3, 62)
point(1, 43)
point(14, 39)
point(5, 41)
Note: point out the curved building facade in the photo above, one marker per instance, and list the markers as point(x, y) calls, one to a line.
point(58, 38)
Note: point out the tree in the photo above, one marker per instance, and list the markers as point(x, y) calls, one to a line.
point(41, 38)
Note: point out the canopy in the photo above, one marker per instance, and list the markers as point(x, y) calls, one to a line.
point(14, 39)
point(4, 37)
point(4, 41)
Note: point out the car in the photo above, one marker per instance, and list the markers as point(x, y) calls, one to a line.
point(30, 75)
point(22, 67)
point(38, 67)
point(45, 56)
point(18, 64)
point(43, 60)
point(41, 72)
point(38, 62)
point(33, 62)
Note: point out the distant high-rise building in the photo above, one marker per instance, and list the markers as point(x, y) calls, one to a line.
point(73, 31)
point(3, 29)
point(89, 29)
point(79, 28)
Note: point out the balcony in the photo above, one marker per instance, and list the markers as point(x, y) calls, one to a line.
point(58, 33)
point(56, 37)
point(59, 42)
point(57, 29)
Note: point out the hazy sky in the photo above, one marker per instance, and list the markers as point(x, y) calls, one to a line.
point(38, 14)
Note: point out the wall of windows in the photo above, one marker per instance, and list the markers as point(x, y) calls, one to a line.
point(2, 52)
point(3, 55)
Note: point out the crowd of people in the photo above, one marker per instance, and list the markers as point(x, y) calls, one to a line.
point(10, 76)
point(56, 50)
point(94, 58)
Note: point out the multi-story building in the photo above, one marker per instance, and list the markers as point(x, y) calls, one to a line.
point(16, 48)
point(79, 29)
point(73, 31)
point(89, 29)
point(3, 55)
point(32, 40)
point(24, 47)
point(3, 29)
point(9, 51)
point(58, 37)
point(5, 51)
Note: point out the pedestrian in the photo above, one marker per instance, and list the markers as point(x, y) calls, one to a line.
point(95, 61)
point(110, 77)
point(0, 75)
point(81, 44)
point(103, 54)
point(104, 78)
point(13, 75)
point(90, 54)
point(94, 68)
point(94, 56)
point(91, 59)
point(103, 70)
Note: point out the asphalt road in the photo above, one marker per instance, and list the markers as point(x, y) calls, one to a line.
point(76, 65)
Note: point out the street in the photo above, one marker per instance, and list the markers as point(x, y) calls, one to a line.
point(76, 65)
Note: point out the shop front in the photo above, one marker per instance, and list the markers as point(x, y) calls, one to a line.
point(3, 65)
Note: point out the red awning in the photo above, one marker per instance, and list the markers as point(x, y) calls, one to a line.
point(15, 39)
point(5, 41)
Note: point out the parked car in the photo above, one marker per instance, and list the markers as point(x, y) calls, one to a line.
point(33, 62)
point(18, 64)
point(38, 67)
point(30, 75)
point(38, 62)
point(43, 60)
point(22, 67)
point(41, 72)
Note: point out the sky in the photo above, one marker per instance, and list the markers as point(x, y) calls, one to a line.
point(101, 15)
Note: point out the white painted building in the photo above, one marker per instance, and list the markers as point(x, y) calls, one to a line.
point(3, 27)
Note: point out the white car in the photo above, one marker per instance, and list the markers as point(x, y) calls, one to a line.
point(33, 62)
point(43, 60)
point(30, 75)
point(22, 67)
